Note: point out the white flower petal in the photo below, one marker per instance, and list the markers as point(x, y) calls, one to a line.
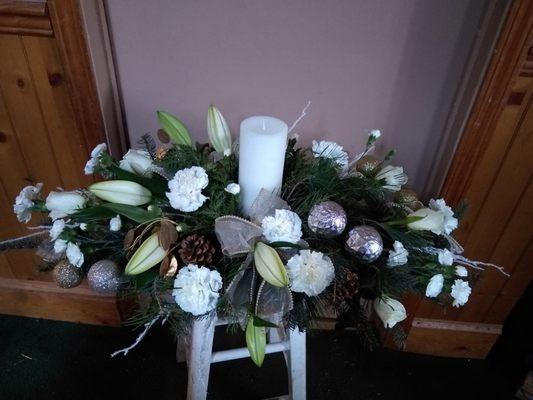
point(327, 149)
point(435, 285)
point(284, 226)
point(196, 289)
point(186, 189)
point(310, 272)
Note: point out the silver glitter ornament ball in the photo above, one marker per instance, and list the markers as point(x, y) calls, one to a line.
point(67, 275)
point(104, 276)
point(365, 243)
point(327, 219)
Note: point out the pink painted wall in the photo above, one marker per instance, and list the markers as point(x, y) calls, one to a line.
point(387, 64)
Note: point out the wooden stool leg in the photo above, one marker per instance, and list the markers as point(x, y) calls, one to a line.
point(201, 347)
point(297, 368)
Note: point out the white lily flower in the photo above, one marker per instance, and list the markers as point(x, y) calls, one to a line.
point(269, 265)
point(138, 162)
point(435, 285)
point(61, 204)
point(390, 311)
point(57, 228)
point(430, 221)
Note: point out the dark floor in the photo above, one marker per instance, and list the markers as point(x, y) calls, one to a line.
point(52, 360)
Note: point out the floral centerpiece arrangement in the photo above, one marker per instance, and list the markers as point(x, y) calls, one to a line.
point(188, 229)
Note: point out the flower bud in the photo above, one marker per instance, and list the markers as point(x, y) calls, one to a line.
point(269, 265)
point(218, 131)
point(174, 128)
point(137, 162)
point(121, 192)
point(61, 204)
point(426, 219)
point(256, 342)
point(149, 254)
point(390, 311)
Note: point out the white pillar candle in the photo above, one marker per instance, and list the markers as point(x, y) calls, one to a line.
point(262, 145)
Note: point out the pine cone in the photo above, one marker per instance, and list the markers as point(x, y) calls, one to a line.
point(196, 249)
point(345, 290)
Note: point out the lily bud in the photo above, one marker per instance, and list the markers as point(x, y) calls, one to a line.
point(390, 311)
point(121, 192)
point(218, 131)
point(427, 219)
point(256, 342)
point(148, 255)
point(174, 128)
point(270, 266)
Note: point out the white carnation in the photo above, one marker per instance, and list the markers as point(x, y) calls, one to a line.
point(74, 255)
point(60, 246)
point(57, 228)
point(445, 257)
point(24, 202)
point(138, 162)
point(398, 256)
point(435, 285)
point(450, 222)
point(186, 189)
point(196, 289)
point(460, 292)
point(393, 177)
point(115, 224)
point(310, 272)
point(461, 271)
point(327, 149)
point(284, 226)
point(233, 188)
point(92, 163)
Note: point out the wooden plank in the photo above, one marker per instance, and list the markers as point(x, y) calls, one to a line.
point(25, 113)
point(58, 115)
point(17, 264)
point(489, 165)
point(46, 300)
point(442, 338)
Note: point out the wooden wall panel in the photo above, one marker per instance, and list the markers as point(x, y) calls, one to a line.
point(52, 92)
point(43, 139)
point(492, 170)
point(25, 112)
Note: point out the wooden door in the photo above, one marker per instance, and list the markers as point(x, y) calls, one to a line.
point(492, 170)
point(43, 138)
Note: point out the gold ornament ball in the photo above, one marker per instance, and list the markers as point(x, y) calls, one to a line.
point(67, 275)
point(367, 164)
point(407, 197)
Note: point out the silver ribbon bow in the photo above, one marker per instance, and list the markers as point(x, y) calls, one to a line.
point(238, 236)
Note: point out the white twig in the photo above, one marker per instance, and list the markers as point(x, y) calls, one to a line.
point(303, 114)
point(141, 336)
point(466, 261)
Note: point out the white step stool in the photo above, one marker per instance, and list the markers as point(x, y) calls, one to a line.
point(197, 351)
